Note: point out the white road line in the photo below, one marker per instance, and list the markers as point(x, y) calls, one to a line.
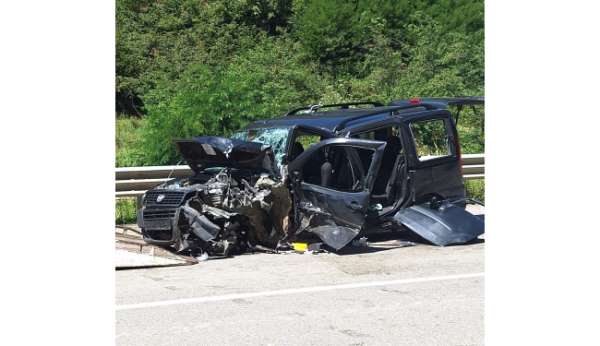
point(289, 291)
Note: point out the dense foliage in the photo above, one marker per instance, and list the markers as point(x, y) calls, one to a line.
point(191, 68)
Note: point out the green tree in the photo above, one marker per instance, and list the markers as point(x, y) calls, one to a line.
point(188, 67)
point(217, 100)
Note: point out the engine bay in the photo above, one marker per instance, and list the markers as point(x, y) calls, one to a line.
point(218, 215)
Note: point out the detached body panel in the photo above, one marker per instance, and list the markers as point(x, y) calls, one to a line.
point(445, 225)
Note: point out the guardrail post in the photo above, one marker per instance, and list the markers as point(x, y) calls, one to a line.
point(138, 202)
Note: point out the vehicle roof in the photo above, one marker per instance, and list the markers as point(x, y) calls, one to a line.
point(336, 119)
point(441, 102)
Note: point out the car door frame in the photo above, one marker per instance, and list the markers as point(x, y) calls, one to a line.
point(440, 177)
point(296, 129)
point(334, 207)
point(393, 120)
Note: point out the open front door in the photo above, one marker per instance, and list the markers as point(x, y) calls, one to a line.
point(332, 188)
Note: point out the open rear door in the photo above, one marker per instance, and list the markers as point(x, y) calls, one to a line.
point(334, 209)
point(454, 104)
point(442, 224)
point(435, 166)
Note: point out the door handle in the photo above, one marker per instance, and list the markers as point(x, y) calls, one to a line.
point(354, 205)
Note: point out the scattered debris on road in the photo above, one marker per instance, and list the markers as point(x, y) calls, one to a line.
point(133, 252)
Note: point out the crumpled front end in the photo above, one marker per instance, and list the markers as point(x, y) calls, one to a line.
point(226, 214)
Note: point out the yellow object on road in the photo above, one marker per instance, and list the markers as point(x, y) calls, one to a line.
point(300, 247)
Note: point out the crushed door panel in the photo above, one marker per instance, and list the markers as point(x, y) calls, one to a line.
point(334, 215)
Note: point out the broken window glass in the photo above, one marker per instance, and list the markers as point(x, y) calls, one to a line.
point(276, 137)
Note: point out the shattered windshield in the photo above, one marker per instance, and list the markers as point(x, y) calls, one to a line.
point(276, 137)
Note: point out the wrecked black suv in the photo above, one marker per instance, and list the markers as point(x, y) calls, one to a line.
point(332, 172)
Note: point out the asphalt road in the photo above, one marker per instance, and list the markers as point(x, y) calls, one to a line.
point(383, 295)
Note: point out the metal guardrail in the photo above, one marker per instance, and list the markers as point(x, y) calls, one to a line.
point(134, 181)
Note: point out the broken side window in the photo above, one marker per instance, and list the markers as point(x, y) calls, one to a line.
point(431, 139)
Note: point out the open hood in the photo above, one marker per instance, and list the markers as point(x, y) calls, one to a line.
point(209, 151)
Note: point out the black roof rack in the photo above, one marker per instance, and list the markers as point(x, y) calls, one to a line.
point(347, 105)
point(392, 109)
point(441, 101)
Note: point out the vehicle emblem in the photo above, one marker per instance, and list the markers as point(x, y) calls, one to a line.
point(159, 198)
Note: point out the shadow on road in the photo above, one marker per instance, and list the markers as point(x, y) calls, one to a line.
point(392, 240)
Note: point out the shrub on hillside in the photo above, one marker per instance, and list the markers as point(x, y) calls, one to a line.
point(217, 100)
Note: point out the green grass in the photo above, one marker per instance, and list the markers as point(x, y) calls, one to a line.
point(125, 209)
point(127, 136)
point(476, 189)
point(470, 130)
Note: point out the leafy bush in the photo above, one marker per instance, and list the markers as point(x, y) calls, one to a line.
point(258, 83)
point(471, 131)
point(128, 136)
point(476, 189)
point(125, 211)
